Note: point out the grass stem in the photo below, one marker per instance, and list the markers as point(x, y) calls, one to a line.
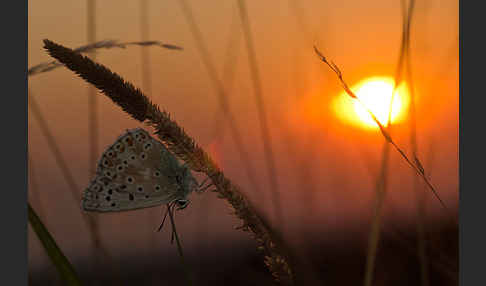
point(382, 181)
point(60, 261)
point(139, 107)
point(381, 186)
point(222, 96)
point(416, 166)
point(264, 128)
point(421, 239)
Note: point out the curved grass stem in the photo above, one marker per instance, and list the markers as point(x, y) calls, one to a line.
point(139, 107)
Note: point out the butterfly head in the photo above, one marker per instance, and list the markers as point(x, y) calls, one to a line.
point(182, 204)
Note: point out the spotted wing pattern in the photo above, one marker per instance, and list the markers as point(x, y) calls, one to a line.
point(136, 172)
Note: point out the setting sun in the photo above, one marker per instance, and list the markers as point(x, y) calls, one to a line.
point(375, 93)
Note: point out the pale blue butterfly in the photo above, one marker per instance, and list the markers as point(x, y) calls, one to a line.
point(137, 172)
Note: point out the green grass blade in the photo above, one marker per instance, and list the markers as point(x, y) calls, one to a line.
point(61, 262)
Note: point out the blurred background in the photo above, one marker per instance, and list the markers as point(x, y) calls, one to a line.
point(326, 158)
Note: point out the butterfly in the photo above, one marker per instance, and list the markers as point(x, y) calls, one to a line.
point(136, 172)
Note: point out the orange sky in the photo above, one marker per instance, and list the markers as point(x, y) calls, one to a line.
point(361, 37)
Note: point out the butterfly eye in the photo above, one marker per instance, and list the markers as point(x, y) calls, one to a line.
point(147, 146)
point(133, 157)
point(157, 188)
point(143, 156)
point(108, 174)
point(106, 163)
point(108, 198)
point(118, 146)
point(110, 154)
point(157, 174)
point(120, 168)
point(140, 188)
point(125, 162)
point(96, 188)
point(182, 204)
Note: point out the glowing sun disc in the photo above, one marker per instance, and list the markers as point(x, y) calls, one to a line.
point(375, 93)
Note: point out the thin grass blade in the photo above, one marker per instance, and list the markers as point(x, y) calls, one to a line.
point(63, 266)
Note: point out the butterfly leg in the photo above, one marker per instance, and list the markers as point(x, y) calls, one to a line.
point(170, 208)
point(172, 236)
point(165, 216)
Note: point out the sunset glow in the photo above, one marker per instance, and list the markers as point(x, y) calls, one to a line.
point(375, 93)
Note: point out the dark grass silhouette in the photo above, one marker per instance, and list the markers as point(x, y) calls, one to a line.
point(64, 267)
point(92, 48)
point(55, 149)
point(222, 95)
point(416, 165)
point(239, 264)
point(382, 182)
point(441, 260)
point(93, 137)
point(139, 107)
point(33, 192)
point(146, 73)
point(422, 251)
point(262, 113)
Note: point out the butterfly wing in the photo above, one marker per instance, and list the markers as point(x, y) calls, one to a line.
point(136, 172)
